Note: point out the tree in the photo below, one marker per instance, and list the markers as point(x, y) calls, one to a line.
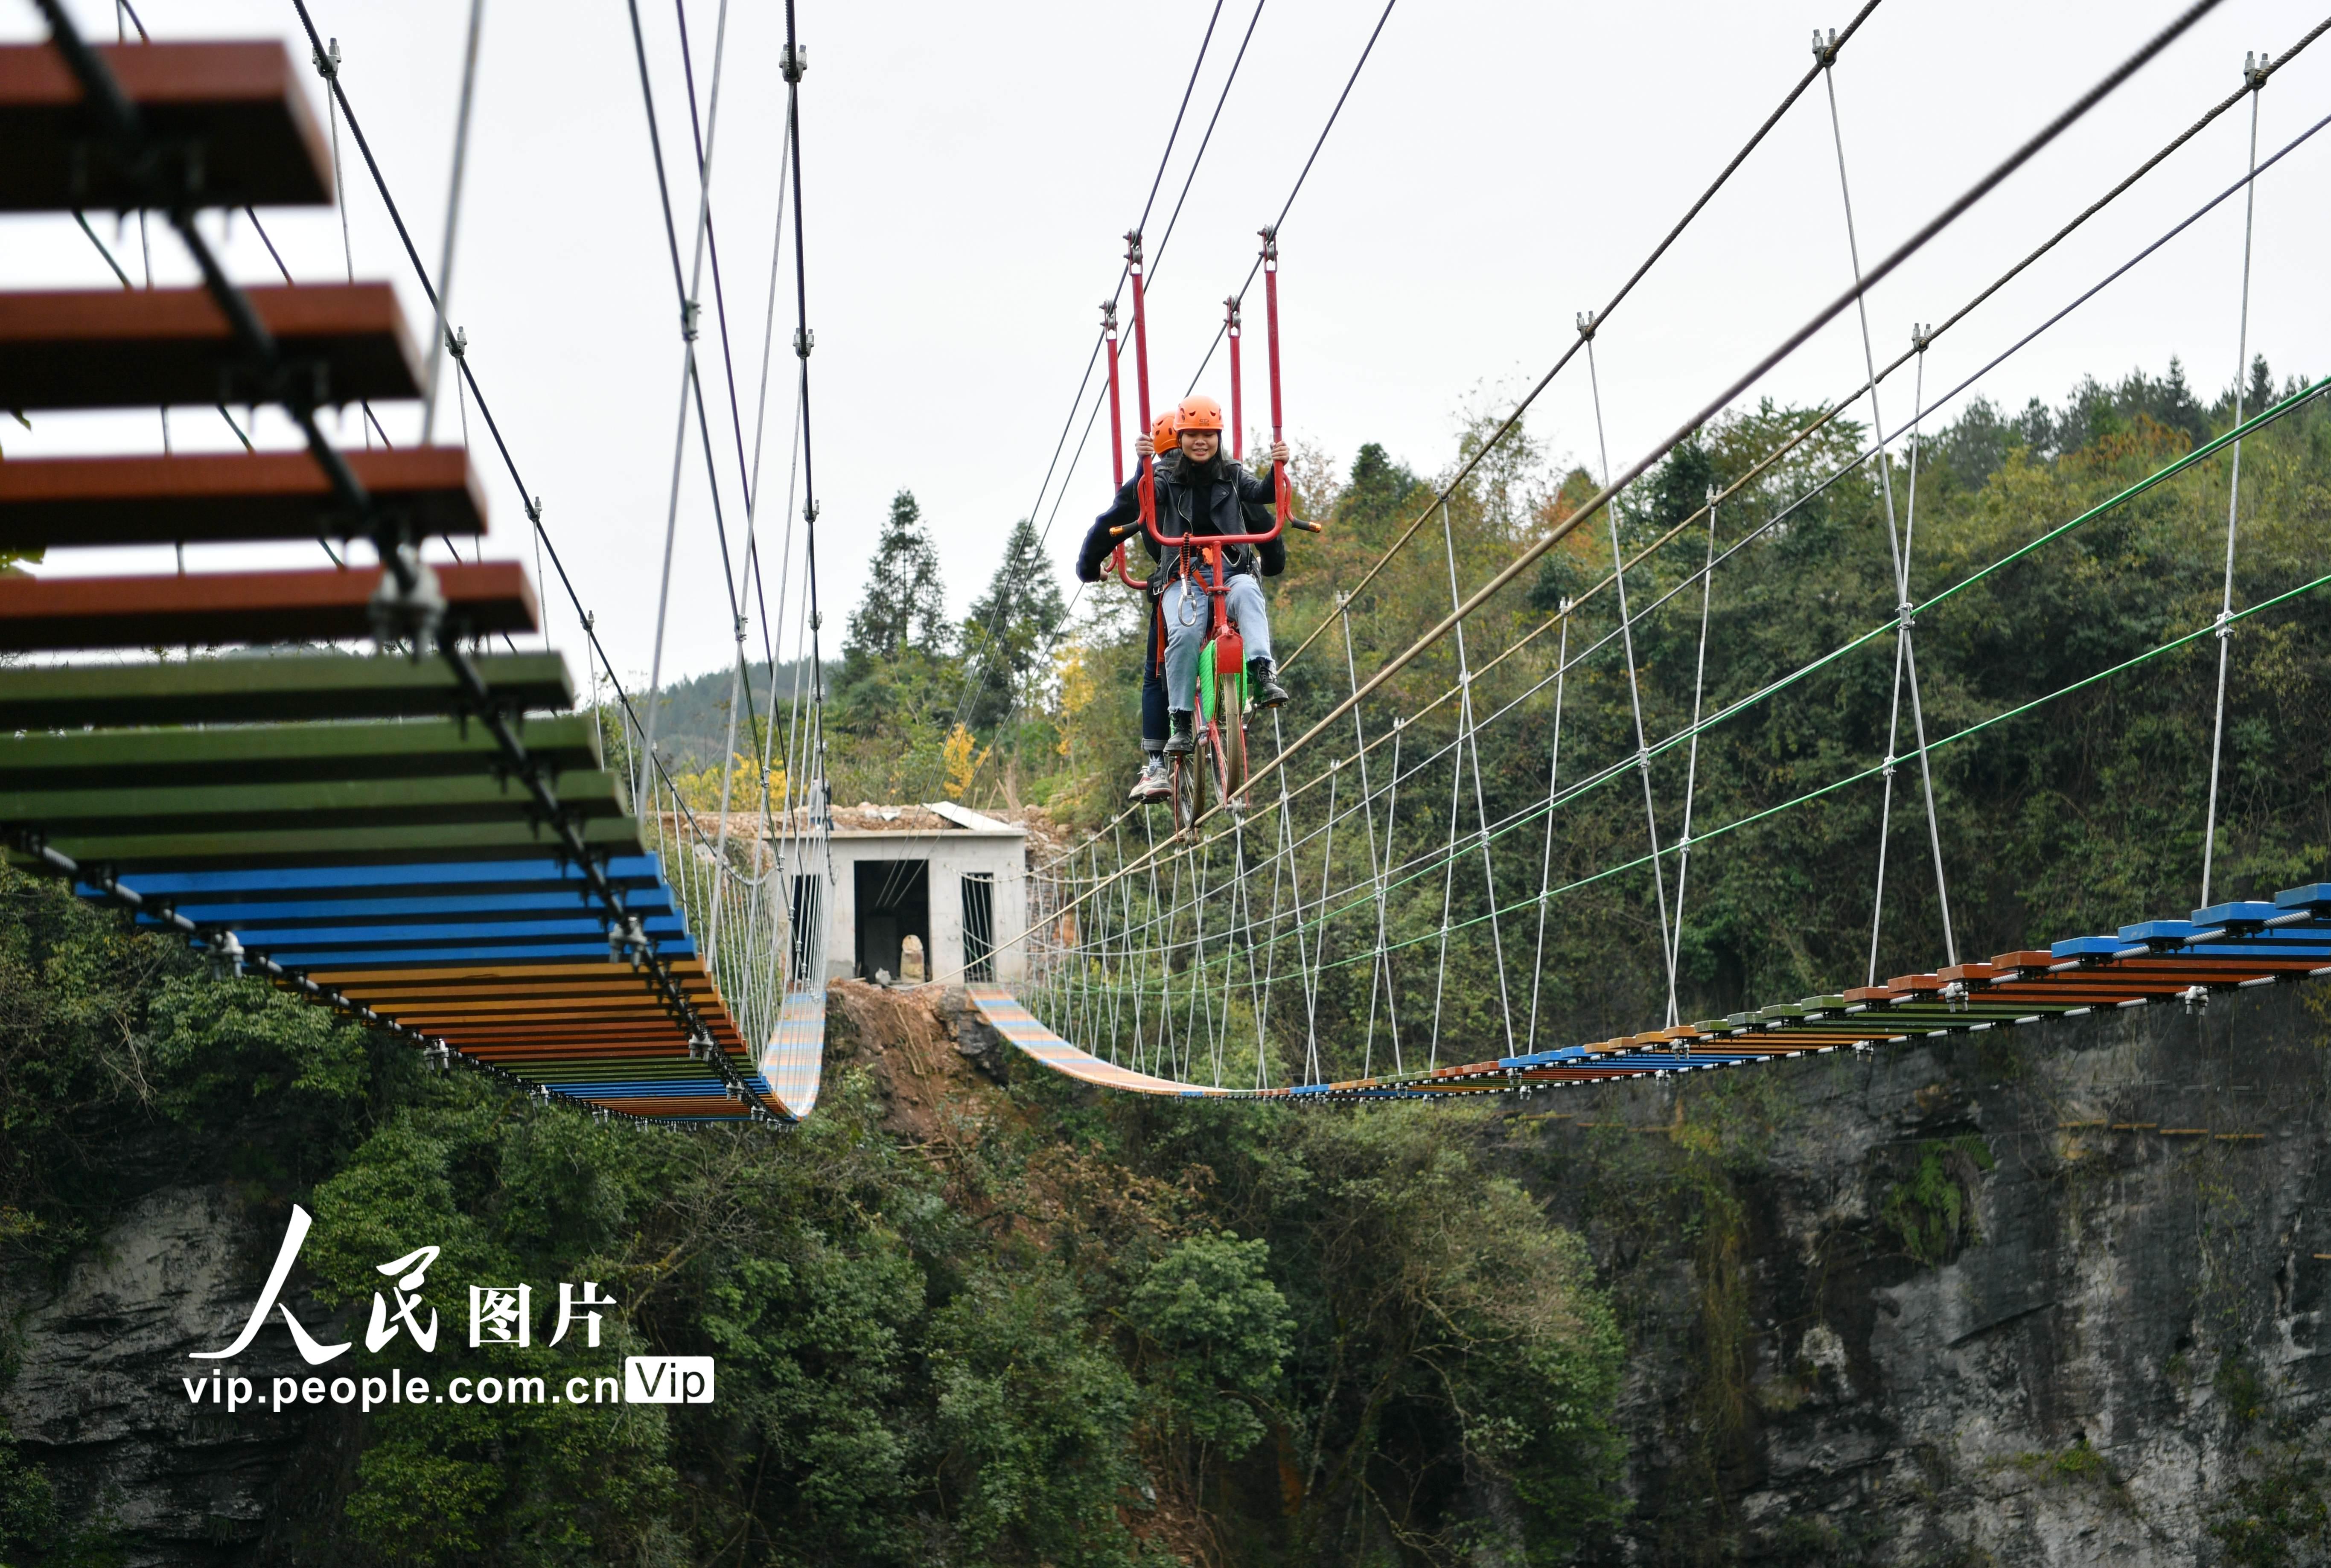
point(903, 603)
point(1009, 634)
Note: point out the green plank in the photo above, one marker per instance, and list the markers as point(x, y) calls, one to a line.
point(305, 804)
point(414, 748)
point(256, 690)
point(131, 852)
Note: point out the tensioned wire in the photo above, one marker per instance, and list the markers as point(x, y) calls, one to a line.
point(1833, 786)
point(1872, 770)
point(605, 665)
point(1541, 546)
point(1813, 426)
point(1728, 712)
point(1683, 735)
point(1149, 279)
point(2002, 281)
point(1100, 338)
point(1415, 869)
point(1824, 486)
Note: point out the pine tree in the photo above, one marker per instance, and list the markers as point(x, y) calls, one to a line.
point(903, 603)
point(1012, 627)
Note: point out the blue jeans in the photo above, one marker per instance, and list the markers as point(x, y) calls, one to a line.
point(1183, 640)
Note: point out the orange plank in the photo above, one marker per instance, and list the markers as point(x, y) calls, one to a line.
point(221, 608)
point(232, 124)
point(209, 498)
point(141, 348)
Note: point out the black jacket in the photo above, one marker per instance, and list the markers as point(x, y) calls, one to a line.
point(1243, 504)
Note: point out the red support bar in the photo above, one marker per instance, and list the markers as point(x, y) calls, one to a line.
point(1278, 419)
point(1238, 402)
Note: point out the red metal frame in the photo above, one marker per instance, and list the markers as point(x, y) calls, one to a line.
point(1116, 434)
point(1278, 420)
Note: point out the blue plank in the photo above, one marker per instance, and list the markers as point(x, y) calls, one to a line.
point(2087, 947)
point(442, 932)
point(2313, 896)
point(2244, 913)
point(260, 916)
point(364, 958)
point(623, 869)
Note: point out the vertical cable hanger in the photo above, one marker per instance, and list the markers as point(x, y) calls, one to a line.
point(2255, 69)
point(1906, 657)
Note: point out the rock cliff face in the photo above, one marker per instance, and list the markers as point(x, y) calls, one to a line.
point(98, 1400)
point(2047, 1296)
point(2050, 1296)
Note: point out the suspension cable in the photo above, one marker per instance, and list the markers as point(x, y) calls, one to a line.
point(1909, 247)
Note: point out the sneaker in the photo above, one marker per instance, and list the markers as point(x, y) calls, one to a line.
point(1183, 740)
point(1154, 784)
point(1268, 692)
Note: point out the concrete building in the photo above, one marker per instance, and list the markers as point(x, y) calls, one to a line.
point(949, 876)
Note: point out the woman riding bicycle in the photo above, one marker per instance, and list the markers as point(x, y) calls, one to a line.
point(1201, 493)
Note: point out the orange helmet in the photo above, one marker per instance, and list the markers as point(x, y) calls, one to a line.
point(1198, 413)
point(1163, 436)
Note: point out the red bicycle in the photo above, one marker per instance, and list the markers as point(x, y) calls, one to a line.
point(1219, 717)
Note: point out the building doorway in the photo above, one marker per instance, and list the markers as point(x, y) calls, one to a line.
point(894, 902)
point(979, 927)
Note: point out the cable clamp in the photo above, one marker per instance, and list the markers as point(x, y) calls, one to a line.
point(1586, 324)
point(1825, 51)
point(457, 343)
point(1887, 770)
point(412, 607)
point(740, 631)
point(534, 511)
point(816, 621)
point(809, 511)
point(2256, 69)
point(1232, 320)
point(328, 62)
point(688, 309)
point(2225, 624)
point(1108, 316)
point(2194, 998)
point(794, 63)
point(803, 341)
point(1270, 232)
point(1921, 334)
point(1903, 616)
point(1133, 249)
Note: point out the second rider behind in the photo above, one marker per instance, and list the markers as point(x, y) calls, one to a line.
point(1200, 493)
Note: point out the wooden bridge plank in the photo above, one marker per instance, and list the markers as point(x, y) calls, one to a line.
point(219, 609)
point(210, 498)
point(231, 114)
point(140, 347)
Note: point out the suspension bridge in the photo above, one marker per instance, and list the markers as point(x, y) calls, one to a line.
point(465, 847)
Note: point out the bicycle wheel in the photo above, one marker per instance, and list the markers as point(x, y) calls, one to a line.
point(1230, 745)
point(1182, 774)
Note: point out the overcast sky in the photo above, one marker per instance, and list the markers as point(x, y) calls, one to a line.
point(1498, 168)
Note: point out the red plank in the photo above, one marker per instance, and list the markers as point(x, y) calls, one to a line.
point(219, 609)
point(49, 503)
point(142, 347)
point(230, 119)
